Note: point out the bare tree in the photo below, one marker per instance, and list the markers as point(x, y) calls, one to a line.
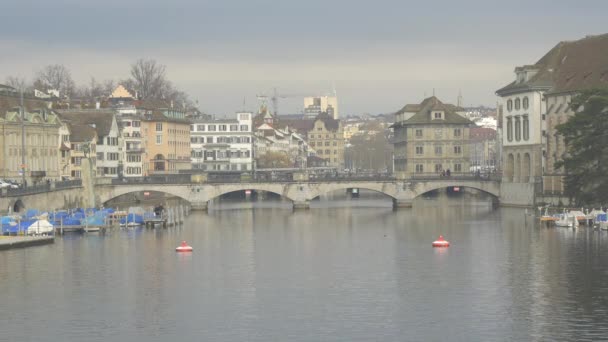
point(16, 82)
point(55, 76)
point(149, 78)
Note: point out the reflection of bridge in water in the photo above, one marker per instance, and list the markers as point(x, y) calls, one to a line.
point(199, 191)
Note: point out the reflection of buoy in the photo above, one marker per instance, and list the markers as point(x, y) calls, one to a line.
point(184, 247)
point(441, 242)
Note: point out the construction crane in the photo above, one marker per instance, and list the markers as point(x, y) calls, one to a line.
point(275, 99)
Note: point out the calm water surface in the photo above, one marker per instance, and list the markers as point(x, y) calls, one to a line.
point(363, 273)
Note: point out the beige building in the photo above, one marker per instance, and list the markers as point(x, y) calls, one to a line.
point(41, 127)
point(574, 66)
point(327, 138)
point(315, 105)
point(166, 141)
point(83, 144)
point(430, 137)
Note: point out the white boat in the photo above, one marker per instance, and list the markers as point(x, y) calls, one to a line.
point(567, 220)
point(41, 226)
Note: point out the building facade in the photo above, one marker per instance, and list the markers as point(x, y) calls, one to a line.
point(430, 137)
point(166, 141)
point(483, 148)
point(108, 149)
point(523, 124)
point(131, 143)
point(315, 105)
point(41, 126)
point(222, 145)
point(327, 138)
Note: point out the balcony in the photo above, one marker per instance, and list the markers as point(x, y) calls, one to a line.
point(135, 150)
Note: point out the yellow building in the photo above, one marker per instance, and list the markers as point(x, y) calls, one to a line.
point(327, 138)
point(41, 127)
point(166, 141)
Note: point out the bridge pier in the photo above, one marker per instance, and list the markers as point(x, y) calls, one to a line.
point(401, 203)
point(301, 204)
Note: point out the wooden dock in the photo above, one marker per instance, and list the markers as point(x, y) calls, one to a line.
point(10, 242)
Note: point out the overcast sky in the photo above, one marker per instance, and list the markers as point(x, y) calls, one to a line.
point(379, 54)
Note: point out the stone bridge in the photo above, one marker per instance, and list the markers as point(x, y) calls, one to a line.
point(300, 193)
point(403, 192)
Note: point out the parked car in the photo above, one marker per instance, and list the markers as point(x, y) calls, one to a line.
point(5, 184)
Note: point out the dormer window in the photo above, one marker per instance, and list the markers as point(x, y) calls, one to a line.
point(437, 115)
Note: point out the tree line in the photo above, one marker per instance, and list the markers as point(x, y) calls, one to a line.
point(147, 79)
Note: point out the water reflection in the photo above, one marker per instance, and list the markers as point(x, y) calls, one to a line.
point(333, 274)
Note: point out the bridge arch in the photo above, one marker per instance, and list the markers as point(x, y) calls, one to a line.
point(106, 194)
point(387, 189)
point(222, 189)
point(490, 187)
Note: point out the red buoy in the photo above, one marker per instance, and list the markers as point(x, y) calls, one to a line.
point(184, 247)
point(441, 242)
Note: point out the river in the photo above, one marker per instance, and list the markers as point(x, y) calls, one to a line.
point(331, 273)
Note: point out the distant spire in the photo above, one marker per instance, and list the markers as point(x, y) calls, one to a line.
point(459, 101)
point(433, 91)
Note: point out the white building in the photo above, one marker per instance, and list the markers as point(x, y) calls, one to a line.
point(108, 150)
point(315, 105)
point(222, 145)
point(521, 109)
point(132, 145)
point(284, 140)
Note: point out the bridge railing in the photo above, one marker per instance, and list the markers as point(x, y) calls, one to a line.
point(457, 176)
point(155, 179)
point(29, 190)
point(74, 183)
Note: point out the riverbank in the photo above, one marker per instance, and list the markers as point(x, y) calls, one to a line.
point(10, 242)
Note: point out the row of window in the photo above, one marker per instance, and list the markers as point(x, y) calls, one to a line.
point(518, 103)
point(133, 158)
point(133, 170)
point(101, 171)
point(438, 133)
point(219, 154)
point(320, 143)
point(327, 152)
point(110, 141)
point(220, 140)
point(110, 156)
point(132, 123)
point(438, 150)
point(222, 167)
point(320, 136)
point(518, 121)
point(438, 168)
point(220, 128)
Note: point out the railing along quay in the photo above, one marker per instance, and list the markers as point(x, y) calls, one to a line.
point(41, 188)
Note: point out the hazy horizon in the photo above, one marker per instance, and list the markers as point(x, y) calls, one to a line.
point(378, 56)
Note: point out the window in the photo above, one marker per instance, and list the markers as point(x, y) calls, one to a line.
point(327, 143)
point(312, 143)
point(526, 128)
point(211, 128)
point(438, 150)
point(517, 103)
point(234, 128)
point(517, 128)
point(136, 124)
point(419, 168)
point(510, 105)
point(327, 152)
point(438, 167)
point(244, 128)
point(159, 139)
point(159, 126)
point(457, 149)
point(209, 140)
point(457, 168)
point(437, 115)
point(222, 128)
point(509, 129)
point(457, 132)
point(419, 150)
point(200, 128)
point(418, 133)
point(100, 156)
point(526, 103)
